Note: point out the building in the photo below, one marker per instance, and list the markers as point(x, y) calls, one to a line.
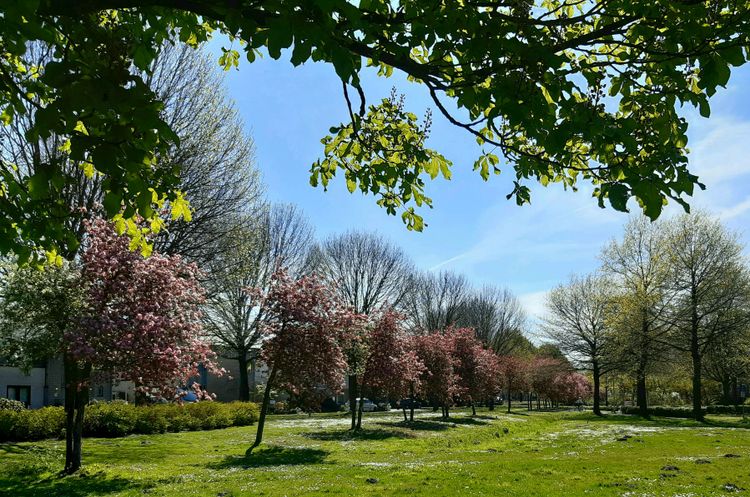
point(44, 385)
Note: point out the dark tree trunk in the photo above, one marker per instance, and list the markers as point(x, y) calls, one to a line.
point(77, 379)
point(695, 354)
point(353, 399)
point(735, 392)
point(473, 409)
point(726, 391)
point(360, 408)
point(509, 401)
point(597, 387)
point(263, 411)
point(411, 407)
point(244, 393)
point(641, 394)
point(697, 388)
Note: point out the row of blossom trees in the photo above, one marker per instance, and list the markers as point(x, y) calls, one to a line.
point(313, 341)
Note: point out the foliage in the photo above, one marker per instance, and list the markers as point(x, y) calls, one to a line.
point(306, 338)
point(11, 405)
point(528, 80)
point(392, 370)
point(143, 322)
point(439, 380)
point(117, 419)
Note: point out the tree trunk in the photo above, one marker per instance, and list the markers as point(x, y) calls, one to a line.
point(509, 400)
point(244, 393)
point(263, 411)
point(597, 387)
point(353, 399)
point(695, 353)
point(411, 407)
point(641, 394)
point(473, 409)
point(360, 408)
point(735, 392)
point(726, 391)
point(77, 379)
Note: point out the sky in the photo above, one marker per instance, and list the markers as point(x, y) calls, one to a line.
point(472, 228)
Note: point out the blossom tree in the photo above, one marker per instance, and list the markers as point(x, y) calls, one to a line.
point(390, 368)
point(113, 313)
point(514, 372)
point(439, 379)
point(141, 323)
point(305, 337)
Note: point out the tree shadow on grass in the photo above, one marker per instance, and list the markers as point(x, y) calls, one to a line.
point(272, 456)
point(439, 423)
point(361, 434)
point(659, 421)
point(26, 481)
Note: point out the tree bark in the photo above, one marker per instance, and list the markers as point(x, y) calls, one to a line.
point(641, 393)
point(509, 401)
point(411, 407)
point(473, 409)
point(597, 387)
point(695, 353)
point(77, 379)
point(360, 408)
point(263, 411)
point(353, 399)
point(244, 393)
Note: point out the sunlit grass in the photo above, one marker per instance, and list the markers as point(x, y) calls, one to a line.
point(492, 454)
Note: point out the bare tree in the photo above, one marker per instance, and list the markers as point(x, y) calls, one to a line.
point(639, 316)
point(278, 237)
point(497, 316)
point(710, 281)
point(366, 271)
point(576, 323)
point(435, 301)
point(214, 156)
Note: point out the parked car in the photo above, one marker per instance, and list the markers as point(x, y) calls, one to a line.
point(367, 405)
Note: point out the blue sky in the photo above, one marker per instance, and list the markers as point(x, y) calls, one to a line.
point(472, 228)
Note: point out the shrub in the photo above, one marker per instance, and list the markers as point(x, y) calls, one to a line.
point(243, 413)
point(151, 419)
point(110, 419)
point(280, 407)
point(11, 405)
point(32, 424)
point(117, 419)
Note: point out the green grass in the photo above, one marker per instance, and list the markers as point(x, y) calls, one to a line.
point(563, 454)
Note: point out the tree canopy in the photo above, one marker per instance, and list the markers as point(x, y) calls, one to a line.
point(559, 90)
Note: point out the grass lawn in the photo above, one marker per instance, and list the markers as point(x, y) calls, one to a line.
point(538, 454)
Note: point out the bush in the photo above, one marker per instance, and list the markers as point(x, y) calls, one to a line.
point(117, 419)
point(243, 413)
point(32, 424)
point(11, 405)
point(110, 419)
point(280, 407)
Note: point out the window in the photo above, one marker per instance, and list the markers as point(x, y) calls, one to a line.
point(20, 393)
point(100, 391)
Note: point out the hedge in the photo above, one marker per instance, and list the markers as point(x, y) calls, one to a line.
point(117, 419)
point(687, 412)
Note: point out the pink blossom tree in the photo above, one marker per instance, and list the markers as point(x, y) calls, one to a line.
point(141, 322)
point(514, 373)
point(390, 368)
point(439, 380)
point(305, 337)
